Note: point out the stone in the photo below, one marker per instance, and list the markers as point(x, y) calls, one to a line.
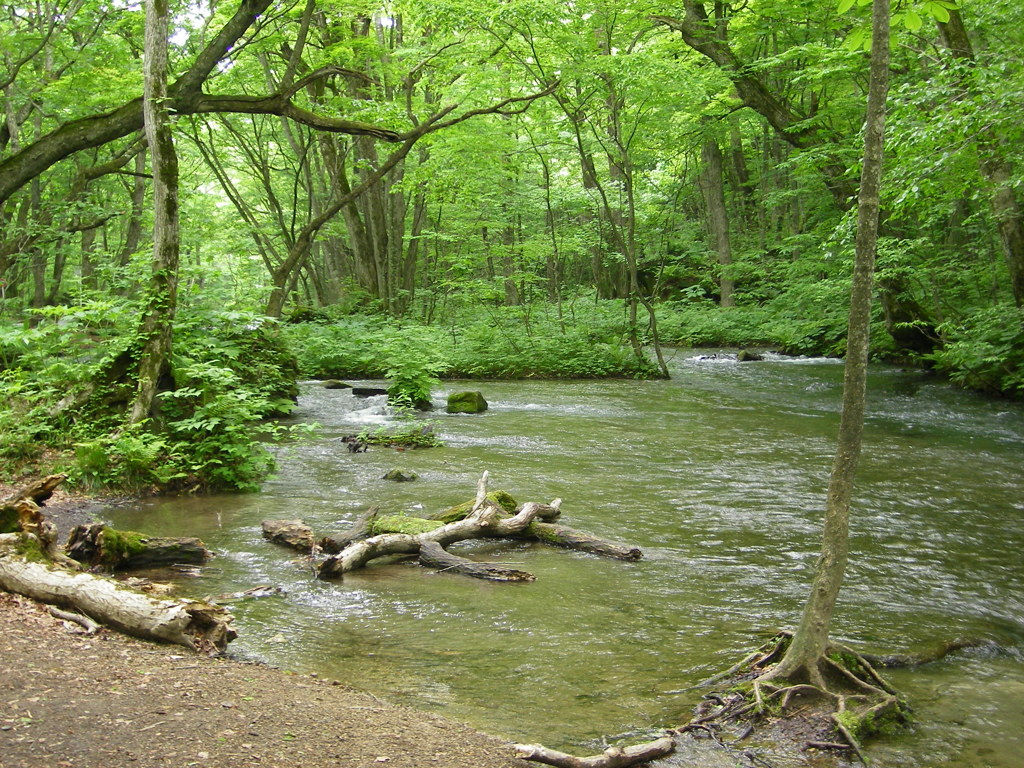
point(401, 475)
point(466, 402)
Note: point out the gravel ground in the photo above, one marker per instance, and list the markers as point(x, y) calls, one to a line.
point(109, 701)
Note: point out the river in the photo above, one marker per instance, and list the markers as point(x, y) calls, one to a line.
point(719, 476)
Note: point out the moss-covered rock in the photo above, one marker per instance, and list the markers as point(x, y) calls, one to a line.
point(466, 402)
point(400, 475)
point(502, 498)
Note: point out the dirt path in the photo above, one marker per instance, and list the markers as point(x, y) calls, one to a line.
point(110, 701)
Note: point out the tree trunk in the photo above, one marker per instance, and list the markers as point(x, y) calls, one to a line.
point(156, 327)
point(1006, 208)
point(811, 638)
point(718, 215)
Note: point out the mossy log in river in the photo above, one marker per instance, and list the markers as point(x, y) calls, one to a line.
point(103, 546)
point(490, 515)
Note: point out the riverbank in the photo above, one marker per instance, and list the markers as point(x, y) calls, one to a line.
point(74, 700)
point(70, 700)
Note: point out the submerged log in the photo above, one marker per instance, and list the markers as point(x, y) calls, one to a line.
point(289, 533)
point(613, 757)
point(433, 555)
point(103, 546)
point(194, 624)
point(570, 538)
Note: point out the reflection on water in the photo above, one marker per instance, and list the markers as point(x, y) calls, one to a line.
point(719, 474)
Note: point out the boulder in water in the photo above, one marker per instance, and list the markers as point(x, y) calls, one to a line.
point(466, 402)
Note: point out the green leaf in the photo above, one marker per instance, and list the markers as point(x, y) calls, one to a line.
point(938, 11)
point(912, 20)
point(845, 5)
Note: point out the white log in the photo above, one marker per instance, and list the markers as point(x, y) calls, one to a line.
point(485, 522)
point(196, 625)
point(613, 757)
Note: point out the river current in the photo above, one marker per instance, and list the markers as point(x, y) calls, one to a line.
point(719, 476)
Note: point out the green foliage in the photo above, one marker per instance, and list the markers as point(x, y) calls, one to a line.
point(70, 380)
point(985, 351)
point(506, 343)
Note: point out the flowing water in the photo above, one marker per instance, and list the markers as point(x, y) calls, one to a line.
point(719, 475)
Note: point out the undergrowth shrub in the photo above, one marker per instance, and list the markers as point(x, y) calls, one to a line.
point(985, 351)
point(68, 384)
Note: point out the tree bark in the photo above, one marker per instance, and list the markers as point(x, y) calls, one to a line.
point(718, 215)
point(1006, 208)
point(157, 323)
point(807, 648)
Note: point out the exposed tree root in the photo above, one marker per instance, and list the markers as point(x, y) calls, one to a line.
point(843, 695)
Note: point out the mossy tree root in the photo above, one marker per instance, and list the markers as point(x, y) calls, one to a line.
point(843, 685)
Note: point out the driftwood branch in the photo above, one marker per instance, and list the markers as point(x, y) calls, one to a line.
point(91, 627)
point(360, 530)
point(485, 522)
point(613, 757)
point(488, 515)
point(570, 538)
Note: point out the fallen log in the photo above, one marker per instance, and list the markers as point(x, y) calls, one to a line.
point(289, 533)
point(613, 757)
point(433, 555)
point(360, 530)
point(194, 624)
point(99, 545)
point(569, 538)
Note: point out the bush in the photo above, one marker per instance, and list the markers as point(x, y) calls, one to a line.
point(986, 351)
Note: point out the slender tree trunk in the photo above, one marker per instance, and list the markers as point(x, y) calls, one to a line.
point(156, 328)
point(133, 230)
point(718, 215)
point(1006, 208)
point(811, 637)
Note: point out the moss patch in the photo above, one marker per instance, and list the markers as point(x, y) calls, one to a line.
point(30, 549)
point(502, 498)
point(403, 524)
point(118, 546)
point(9, 519)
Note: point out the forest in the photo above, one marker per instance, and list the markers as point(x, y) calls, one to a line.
point(203, 205)
point(418, 190)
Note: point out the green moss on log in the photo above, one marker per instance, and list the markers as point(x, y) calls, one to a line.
point(502, 498)
point(119, 546)
point(9, 519)
point(403, 524)
point(29, 548)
